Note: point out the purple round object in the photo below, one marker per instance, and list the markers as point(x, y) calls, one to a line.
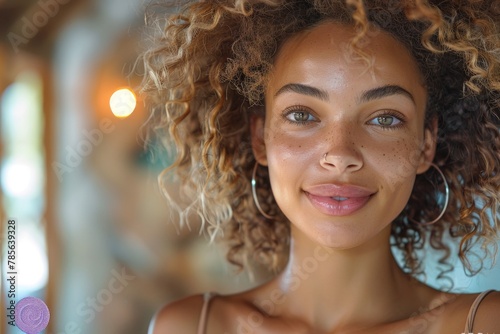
point(32, 315)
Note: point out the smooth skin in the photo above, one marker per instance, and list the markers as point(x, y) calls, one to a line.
point(341, 276)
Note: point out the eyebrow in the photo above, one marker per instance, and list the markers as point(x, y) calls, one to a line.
point(304, 90)
point(366, 96)
point(388, 90)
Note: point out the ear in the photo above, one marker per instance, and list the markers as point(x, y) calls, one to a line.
point(430, 143)
point(257, 135)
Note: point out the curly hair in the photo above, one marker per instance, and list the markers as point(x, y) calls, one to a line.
point(206, 74)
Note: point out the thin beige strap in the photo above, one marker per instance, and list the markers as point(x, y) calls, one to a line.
point(204, 311)
point(472, 312)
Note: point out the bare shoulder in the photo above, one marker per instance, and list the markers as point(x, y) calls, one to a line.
point(181, 316)
point(487, 318)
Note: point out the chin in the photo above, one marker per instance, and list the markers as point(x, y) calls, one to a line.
point(342, 235)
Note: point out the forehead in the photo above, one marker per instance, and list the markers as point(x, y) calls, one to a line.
point(322, 57)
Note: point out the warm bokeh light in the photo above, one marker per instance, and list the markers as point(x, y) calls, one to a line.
point(123, 102)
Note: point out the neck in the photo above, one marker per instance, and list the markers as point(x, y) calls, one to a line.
point(334, 288)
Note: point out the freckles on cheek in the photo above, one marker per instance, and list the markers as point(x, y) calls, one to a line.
point(283, 148)
point(287, 156)
point(397, 163)
point(283, 153)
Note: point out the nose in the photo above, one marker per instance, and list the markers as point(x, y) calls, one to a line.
point(340, 163)
point(342, 155)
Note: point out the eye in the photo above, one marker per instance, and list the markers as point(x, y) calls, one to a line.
point(387, 120)
point(298, 115)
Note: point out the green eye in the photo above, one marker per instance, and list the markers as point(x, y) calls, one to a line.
point(301, 116)
point(386, 121)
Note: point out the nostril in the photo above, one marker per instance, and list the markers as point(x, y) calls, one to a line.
point(340, 162)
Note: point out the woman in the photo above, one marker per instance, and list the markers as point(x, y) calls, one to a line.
point(307, 132)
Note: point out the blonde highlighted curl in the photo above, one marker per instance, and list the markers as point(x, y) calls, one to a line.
point(206, 74)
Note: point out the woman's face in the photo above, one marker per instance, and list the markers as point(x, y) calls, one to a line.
point(343, 143)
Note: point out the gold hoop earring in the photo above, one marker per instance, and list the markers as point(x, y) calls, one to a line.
point(254, 193)
point(446, 201)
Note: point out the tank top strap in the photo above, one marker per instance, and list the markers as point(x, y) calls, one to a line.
point(472, 311)
point(207, 296)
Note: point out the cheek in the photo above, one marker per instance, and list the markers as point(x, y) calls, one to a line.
point(397, 164)
point(285, 149)
point(288, 158)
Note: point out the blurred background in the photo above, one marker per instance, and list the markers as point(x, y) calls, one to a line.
point(94, 237)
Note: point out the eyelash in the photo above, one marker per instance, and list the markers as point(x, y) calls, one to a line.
point(287, 112)
point(394, 114)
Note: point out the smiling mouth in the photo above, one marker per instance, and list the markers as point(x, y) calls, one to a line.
point(338, 205)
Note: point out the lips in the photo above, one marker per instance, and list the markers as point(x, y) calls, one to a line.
point(338, 200)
